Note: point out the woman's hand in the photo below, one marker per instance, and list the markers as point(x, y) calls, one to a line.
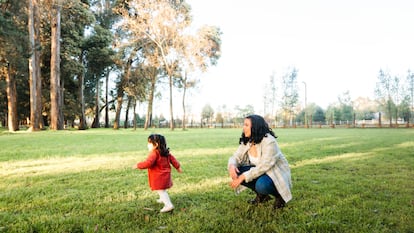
point(233, 172)
point(236, 182)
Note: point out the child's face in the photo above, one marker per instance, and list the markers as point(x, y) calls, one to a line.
point(150, 146)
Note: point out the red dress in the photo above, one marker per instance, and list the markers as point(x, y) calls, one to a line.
point(159, 169)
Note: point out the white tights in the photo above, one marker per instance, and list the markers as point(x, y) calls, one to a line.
point(164, 198)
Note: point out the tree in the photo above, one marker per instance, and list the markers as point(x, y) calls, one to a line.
point(56, 115)
point(198, 53)
point(105, 18)
point(120, 87)
point(364, 108)
point(242, 112)
point(76, 17)
point(207, 114)
point(151, 74)
point(290, 96)
point(11, 100)
point(13, 47)
point(159, 22)
point(384, 92)
point(333, 114)
point(137, 85)
point(346, 107)
point(99, 58)
point(269, 96)
point(318, 114)
point(36, 120)
point(410, 89)
point(314, 114)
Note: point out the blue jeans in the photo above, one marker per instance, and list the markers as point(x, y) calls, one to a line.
point(262, 185)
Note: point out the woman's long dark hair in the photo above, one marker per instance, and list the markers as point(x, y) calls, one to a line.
point(161, 142)
point(259, 130)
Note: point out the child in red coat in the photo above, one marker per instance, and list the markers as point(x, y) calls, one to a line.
point(159, 169)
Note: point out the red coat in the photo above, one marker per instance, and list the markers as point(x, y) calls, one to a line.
point(159, 169)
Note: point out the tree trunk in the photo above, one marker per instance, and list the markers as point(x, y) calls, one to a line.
point(95, 123)
point(36, 119)
point(82, 117)
point(12, 121)
point(120, 93)
point(135, 114)
point(56, 123)
point(171, 103)
point(106, 100)
point(126, 124)
point(118, 107)
point(183, 102)
point(61, 103)
point(148, 118)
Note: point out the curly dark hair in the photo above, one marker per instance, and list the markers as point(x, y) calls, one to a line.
point(158, 139)
point(259, 130)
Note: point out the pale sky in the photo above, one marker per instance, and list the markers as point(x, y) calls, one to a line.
point(336, 46)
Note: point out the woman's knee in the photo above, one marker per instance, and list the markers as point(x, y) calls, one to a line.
point(264, 185)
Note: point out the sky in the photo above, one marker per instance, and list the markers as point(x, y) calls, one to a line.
point(336, 46)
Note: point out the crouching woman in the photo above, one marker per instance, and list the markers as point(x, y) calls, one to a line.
point(260, 165)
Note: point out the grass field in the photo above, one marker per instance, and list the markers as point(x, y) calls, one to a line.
point(344, 180)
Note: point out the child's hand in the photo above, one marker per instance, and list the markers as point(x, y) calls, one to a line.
point(134, 167)
point(179, 170)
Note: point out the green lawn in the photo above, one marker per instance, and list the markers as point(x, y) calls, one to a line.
point(344, 180)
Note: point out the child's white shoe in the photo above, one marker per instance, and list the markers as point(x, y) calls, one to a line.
point(159, 201)
point(166, 209)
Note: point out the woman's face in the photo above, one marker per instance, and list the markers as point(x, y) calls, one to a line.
point(247, 127)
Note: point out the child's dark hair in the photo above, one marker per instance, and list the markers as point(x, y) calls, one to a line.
point(259, 130)
point(161, 142)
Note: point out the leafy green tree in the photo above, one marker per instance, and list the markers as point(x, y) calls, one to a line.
point(13, 68)
point(99, 58)
point(318, 115)
point(106, 18)
point(75, 19)
point(137, 86)
point(333, 114)
point(315, 114)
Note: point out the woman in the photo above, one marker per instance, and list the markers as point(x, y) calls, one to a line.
point(259, 164)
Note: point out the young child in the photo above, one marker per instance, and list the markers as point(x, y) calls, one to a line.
point(159, 169)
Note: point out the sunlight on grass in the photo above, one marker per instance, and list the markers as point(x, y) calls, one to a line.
point(330, 159)
point(406, 145)
point(179, 188)
point(64, 165)
point(74, 164)
point(205, 152)
point(205, 184)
